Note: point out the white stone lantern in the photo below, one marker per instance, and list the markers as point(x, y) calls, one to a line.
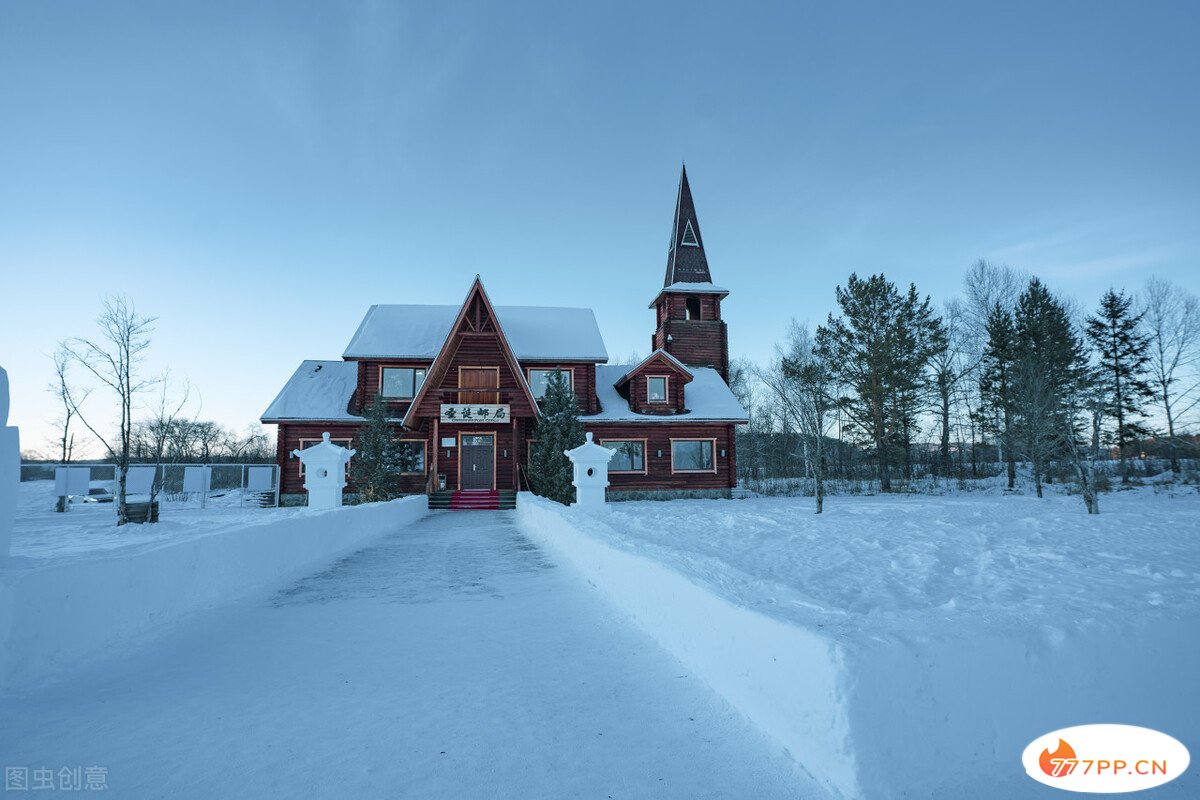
point(324, 472)
point(10, 470)
point(591, 473)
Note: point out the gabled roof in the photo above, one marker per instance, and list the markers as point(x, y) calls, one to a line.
point(658, 355)
point(535, 333)
point(317, 390)
point(706, 399)
point(475, 295)
point(686, 261)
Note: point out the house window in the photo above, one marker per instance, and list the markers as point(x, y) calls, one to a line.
point(693, 308)
point(692, 455)
point(539, 379)
point(401, 383)
point(412, 454)
point(307, 443)
point(630, 457)
point(656, 389)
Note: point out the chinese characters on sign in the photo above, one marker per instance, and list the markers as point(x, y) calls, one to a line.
point(66, 779)
point(478, 412)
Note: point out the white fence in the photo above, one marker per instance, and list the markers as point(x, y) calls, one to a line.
point(193, 484)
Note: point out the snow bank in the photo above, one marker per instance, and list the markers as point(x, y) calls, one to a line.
point(935, 637)
point(10, 469)
point(61, 612)
point(787, 681)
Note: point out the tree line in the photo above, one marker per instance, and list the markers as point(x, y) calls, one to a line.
point(1008, 374)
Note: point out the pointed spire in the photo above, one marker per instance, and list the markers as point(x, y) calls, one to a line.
point(686, 262)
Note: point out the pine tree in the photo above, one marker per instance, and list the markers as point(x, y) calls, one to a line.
point(559, 429)
point(376, 468)
point(880, 348)
point(995, 382)
point(1049, 371)
point(1124, 354)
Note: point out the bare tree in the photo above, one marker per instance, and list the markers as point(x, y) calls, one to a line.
point(253, 445)
point(1171, 317)
point(985, 286)
point(158, 429)
point(949, 366)
point(803, 383)
point(67, 397)
point(114, 360)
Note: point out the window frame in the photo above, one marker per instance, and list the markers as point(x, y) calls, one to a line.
point(687, 307)
point(645, 460)
point(344, 441)
point(569, 371)
point(711, 440)
point(416, 387)
point(666, 400)
point(424, 455)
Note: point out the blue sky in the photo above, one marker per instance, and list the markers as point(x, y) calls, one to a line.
point(256, 175)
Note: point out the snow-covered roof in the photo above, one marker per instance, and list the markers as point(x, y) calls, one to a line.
point(690, 288)
point(707, 399)
point(536, 333)
point(318, 390)
point(649, 358)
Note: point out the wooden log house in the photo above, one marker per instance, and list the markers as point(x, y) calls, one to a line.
point(462, 385)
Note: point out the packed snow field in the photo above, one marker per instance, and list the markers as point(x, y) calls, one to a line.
point(877, 643)
point(449, 659)
point(927, 630)
point(911, 566)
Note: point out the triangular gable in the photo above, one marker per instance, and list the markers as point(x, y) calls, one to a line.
point(660, 359)
point(477, 315)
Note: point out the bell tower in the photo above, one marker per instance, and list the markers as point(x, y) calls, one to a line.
point(688, 309)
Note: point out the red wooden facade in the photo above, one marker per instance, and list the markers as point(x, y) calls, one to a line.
point(669, 441)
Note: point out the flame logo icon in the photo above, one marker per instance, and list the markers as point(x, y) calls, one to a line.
point(1048, 759)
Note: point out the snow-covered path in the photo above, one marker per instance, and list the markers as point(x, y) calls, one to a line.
point(451, 659)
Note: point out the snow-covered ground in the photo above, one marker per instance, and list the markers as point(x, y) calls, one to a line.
point(451, 659)
point(90, 529)
point(914, 567)
point(78, 587)
point(907, 646)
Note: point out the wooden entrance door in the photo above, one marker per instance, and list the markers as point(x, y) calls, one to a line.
point(477, 464)
point(474, 381)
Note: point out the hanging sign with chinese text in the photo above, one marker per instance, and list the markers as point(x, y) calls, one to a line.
point(474, 412)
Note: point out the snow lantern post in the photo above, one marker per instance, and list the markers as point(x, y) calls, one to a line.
point(10, 470)
point(590, 461)
point(324, 472)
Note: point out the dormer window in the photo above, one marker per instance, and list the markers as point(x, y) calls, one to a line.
point(656, 389)
point(693, 308)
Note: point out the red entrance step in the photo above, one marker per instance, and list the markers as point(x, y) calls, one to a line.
point(473, 500)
